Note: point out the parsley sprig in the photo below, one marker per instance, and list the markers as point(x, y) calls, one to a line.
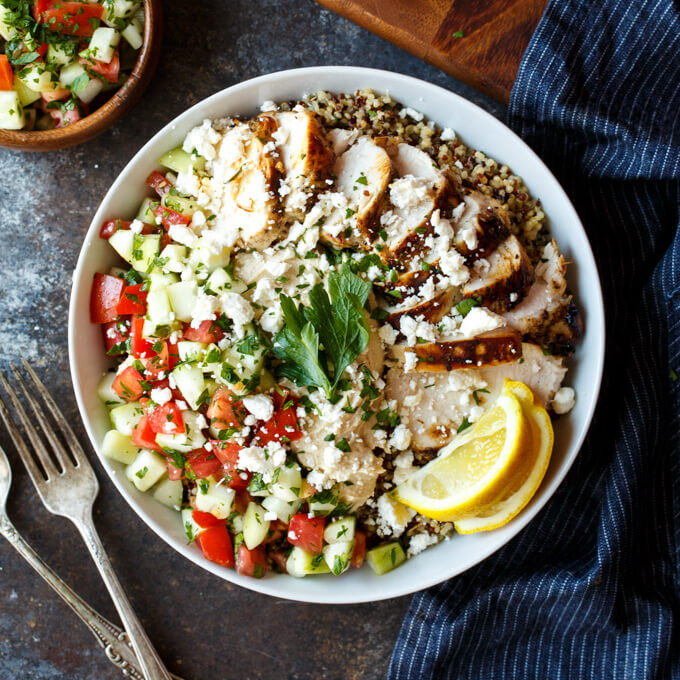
point(318, 342)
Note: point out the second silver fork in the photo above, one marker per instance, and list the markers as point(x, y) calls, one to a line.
point(67, 486)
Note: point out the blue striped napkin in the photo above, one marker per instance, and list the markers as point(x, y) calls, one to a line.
point(591, 588)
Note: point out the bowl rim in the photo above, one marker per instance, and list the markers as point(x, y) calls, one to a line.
point(112, 109)
point(595, 323)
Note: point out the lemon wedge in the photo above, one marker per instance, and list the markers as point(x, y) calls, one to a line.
point(524, 483)
point(475, 468)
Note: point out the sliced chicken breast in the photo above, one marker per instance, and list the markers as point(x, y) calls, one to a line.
point(363, 174)
point(481, 224)
point(503, 279)
point(489, 349)
point(245, 178)
point(432, 309)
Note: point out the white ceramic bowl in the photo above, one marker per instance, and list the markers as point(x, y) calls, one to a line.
point(479, 130)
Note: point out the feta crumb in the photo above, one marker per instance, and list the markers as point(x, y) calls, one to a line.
point(260, 405)
point(270, 516)
point(448, 134)
point(412, 113)
point(410, 361)
point(480, 320)
point(401, 437)
point(393, 516)
point(161, 395)
point(388, 334)
point(564, 400)
point(136, 226)
point(421, 541)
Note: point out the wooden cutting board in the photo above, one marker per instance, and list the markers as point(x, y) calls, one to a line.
point(495, 34)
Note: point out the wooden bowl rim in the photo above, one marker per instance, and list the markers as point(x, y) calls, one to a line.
point(111, 110)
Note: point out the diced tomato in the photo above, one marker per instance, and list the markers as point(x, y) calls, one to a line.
point(113, 336)
point(71, 18)
point(306, 532)
point(63, 118)
point(39, 6)
point(216, 545)
point(159, 360)
point(140, 346)
point(166, 419)
point(227, 453)
point(170, 217)
point(108, 71)
point(283, 425)
point(277, 531)
point(174, 473)
point(202, 463)
point(251, 562)
point(55, 95)
point(6, 73)
point(143, 436)
point(106, 290)
point(224, 411)
point(128, 385)
point(241, 500)
point(133, 300)
point(207, 332)
point(173, 355)
point(280, 558)
point(205, 520)
point(158, 183)
point(110, 227)
point(359, 552)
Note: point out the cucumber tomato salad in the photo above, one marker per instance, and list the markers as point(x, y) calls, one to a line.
point(60, 60)
point(313, 304)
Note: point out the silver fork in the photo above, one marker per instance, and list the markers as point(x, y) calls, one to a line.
point(67, 486)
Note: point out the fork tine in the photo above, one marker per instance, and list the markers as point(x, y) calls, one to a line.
point(68, 433)
point(33, 470)
point(58, 450)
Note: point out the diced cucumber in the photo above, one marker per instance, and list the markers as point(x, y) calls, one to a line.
point(267, 381)
point(105, 390)
point(338, 556)
point(302, 563)
point(340, 530)
point(179, 160)
point(242, 362)
point(191, 529)
point(191, 439)
point(173, 256)
point(11, 111)
point(191, 351)
point(26, 95)
point(90, 91)
point(385, 557)
point(158, 279)
point(133, 34)
point(211, 360)
point(123, 241)
point(70, 73)
point(145, 212)
point(147, 468)
point(255, 526)
point(120, 9)
point(118, 447)
point(217, 499)
point(184, 206)
point(103, 44)
point(204, 258)
point(158, 310)
point(220, 281)
point(57, 55)
point(288, 483)
point(145, 250)
point(6, 30)
point(126, 417)
point(37, 77)
point(190, 382)
point(324, 502)
point(284, 509)
point(182, 298)
point(169, 492)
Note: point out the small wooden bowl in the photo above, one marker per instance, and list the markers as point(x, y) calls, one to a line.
point(108, 113)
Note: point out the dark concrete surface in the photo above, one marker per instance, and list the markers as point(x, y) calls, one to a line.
point(203, 627)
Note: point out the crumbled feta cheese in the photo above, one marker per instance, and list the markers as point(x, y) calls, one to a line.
point(161, 395)
point(393, 516)
point(448, 135)
point(203, 139)
point(388, 334)
point(410, 361)
point(187, 183)
point(238, 309)
point(136, 226)
point(204, 309)
point(412, 113)
point(263, 460)
point(400, 439)
point(182, 234)
point(421, 541)
point(480, 320)
point(270, 516)
point(564, 400)
point(260, 405)
point(268, 105)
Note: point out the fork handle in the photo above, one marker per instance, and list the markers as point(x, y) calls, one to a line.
point(151, 665)
point(108, 635)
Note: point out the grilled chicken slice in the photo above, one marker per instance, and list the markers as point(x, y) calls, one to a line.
point(505, 281)
point(363, 174)
point(247, 179)
point(420, 189)
point(432, 309)
point(341, 139)
point(306, 156)
point(546, 315)
point(481, 224)
point(433, 405)
point(489, 349)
